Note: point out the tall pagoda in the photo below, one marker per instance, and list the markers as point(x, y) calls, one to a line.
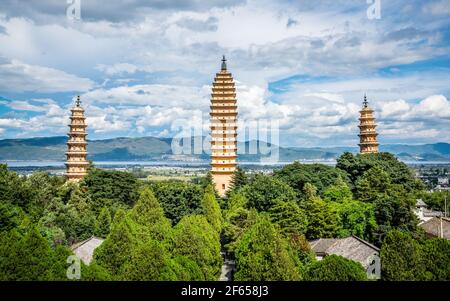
point(367, 132)
point(223, 129)
point(77, 164)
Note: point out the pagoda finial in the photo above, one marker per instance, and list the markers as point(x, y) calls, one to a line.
point(365, 102)
point(78, 102)
point(224, 64)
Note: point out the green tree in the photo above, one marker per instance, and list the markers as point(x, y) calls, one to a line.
point(94, 272)
point(297, 175)
point(238, 180)
point(54, 235)
point(336, 268)
point(399, 173)
point(205, 181)
point(43, 187)
point(79, 216)
point(323, 220)
point(186, 269)
point(401, 258)
point(120, 216)
point(436, 257)
point(211, 209)
point(235, 220)
point(289, 217)
point(148, 261)
point(75, 219)
point(371, 184)
point(356, 218)
point(15, 190)
point(197, 240)
point(103, 223)
point(264, 190)
point(393, 210)
point(116, 187)
point(114, 252)
point(338, 192)
point(178, 198)
point(59, 263)
point(25, 258)
point(302, 249)
point(10, 216)
point(263, 254)
point(149, 214)
point(436, 200)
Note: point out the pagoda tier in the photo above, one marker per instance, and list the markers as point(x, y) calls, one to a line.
point(367, 130)
point(223, 129)
point(77, 163)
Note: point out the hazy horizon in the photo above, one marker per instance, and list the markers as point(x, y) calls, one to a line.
point(241, 141)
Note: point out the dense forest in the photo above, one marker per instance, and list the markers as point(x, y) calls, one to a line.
point(176, 230)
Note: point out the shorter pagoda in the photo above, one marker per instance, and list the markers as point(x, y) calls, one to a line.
point(367, 130)
point(77, 163)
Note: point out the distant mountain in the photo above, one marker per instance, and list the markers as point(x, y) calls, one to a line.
point(152, 148)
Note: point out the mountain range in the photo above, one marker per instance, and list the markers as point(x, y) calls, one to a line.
point(152, 149)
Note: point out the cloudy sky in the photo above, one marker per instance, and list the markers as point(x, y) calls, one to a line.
point(144, 67)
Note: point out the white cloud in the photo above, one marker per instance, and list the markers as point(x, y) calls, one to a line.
point(436, 8)
point(19, 77)
point(435, 106)
point(153, 95)
point(118, 69)
point(22, 105)
point(394, 109)
point(11, 123)
point(101, 124)
point(426, 120)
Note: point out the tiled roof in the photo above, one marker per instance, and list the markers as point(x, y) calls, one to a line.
point(85, 249)
point(431, 213)
point(433, 227)
point(350, 247)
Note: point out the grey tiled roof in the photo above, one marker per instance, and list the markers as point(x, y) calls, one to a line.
point(431, 213)
point(350, 247)
point(85, 249)
point(433, 227)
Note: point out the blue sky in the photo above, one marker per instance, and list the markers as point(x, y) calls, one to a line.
point(146, 67)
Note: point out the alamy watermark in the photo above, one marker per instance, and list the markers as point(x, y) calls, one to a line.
point(193, 137)
point(374, 267)
point(73, 10)
point(374, 9)
point(73, 272)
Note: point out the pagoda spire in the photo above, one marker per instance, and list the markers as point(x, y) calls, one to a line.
point(367, 129)
point(365, 102)
point(76, 164)
point(223, 129)
point(224, 63)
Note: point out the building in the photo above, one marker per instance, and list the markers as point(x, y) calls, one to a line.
point(442, 184)
point(77, 163)
point(223, 129)
point(352, 247)
point(85, 249)
point(423, 213)
point(442, 181)
point(437, 227)
point(367, 130)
